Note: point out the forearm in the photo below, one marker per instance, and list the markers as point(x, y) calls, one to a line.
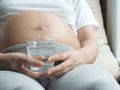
point(90, 51)
point(2, 65)
point(88, 42)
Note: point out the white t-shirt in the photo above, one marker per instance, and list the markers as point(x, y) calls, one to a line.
point(74, 12)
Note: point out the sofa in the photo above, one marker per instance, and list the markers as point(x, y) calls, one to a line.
point(105, 58)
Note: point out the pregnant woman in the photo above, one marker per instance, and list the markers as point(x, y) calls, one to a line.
point(71, 24)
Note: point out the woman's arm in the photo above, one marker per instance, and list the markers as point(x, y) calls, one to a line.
point(89, 47)
point(18, 62)
point(84, 55)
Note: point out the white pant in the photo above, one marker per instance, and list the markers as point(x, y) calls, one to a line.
point(86, 77)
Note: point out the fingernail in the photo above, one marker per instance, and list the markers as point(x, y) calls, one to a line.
point(49, 59)
point(49, 72)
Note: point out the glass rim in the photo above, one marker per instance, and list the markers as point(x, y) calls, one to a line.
point(45, 43)
point(42, 40)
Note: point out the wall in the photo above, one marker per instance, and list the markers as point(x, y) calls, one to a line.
point(113, 26)
point(104, 11)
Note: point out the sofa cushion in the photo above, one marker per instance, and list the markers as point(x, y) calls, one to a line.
point(107, 61)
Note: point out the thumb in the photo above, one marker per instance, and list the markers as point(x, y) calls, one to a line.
point(59, 57)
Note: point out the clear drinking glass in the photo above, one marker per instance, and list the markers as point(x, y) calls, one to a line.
point(36, 48)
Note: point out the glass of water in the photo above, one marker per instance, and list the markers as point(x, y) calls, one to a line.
point(37, 48)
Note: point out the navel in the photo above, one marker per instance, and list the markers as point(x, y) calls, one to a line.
point(39, 27)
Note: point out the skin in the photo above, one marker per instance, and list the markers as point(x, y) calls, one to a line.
point(71, 59)
point(44, 25)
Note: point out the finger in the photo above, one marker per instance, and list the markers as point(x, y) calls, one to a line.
point(61, 73)
point(69, 68)
point(22, 58)
point(58, 57)
point(41, 57)
point(31, 61)
point(30, 73)
point(60, 67)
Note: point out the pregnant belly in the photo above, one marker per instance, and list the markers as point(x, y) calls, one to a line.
point(32, 25)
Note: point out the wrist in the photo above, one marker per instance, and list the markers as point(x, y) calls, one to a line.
point(1, 61)
point(89, 53)
point(1, 55)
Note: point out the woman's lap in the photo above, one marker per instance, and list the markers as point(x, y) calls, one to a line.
point(86, 77)
point(10, 80)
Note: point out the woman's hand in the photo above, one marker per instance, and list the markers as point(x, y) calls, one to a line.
point(71, 59)
point(86, 54)
point(18, 61)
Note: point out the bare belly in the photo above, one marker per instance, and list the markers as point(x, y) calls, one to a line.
point(33, 25)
